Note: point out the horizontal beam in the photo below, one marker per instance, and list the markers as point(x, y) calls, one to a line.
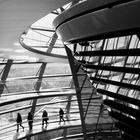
point(54, 57)
point(42, 29)
point(119, 52)
point(129, 131)
point(125, 136)
point(120, 97)
point(47, 46)
point(113, 68)
point(46, 103)
point(123, 108)
point(44, 76)
point(20, 62)
point(46, 95)
point(42, 91)
point(38, 97)
point(116, 60)
point(93, 61)
point(109, 75)
point(125, 85)
point(34, 92)
point(126, 120)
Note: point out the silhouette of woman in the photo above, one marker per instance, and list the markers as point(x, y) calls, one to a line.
point(61, 115)
point(19, 122)
point(30, 121)
point(44, 118)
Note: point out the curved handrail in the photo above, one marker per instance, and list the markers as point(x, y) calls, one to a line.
point(41, 104)
point(41, 52)
point(12, 126)
point(108, 125)
point(37, 97)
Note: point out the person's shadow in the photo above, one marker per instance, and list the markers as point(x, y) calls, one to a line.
point(28, 132)
point(15, 136)
point(44, 129)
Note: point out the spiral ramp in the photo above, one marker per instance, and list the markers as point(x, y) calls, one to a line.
point(99, 76)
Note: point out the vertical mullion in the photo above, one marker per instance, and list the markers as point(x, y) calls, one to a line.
point(77, 88)
point(38, 85)
point(5, 75)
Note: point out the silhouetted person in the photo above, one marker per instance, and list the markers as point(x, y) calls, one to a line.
point(61, 115)
point(19, 121)
point(44, 118)
point(30, 121)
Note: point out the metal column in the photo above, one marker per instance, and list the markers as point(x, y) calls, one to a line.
point(75, 2)
point(52, 43)
point(77, 88)
point(68, 107)
point(38, 85)
point(41, 72)
point(5, 75)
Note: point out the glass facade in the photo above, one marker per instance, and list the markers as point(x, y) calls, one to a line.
point(92, 73)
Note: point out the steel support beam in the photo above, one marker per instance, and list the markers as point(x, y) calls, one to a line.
point(4, 63)
point(125, 61)
point(68, 107)
point(42, 29)
point(38, 85)
point(119, 97)
point(74, 2)
point(100, 113)
point(113, 68)
point(5, 75)
point(82, 85)
point(100, 58)
point(125, 136)
point(93, 92)
point(122, 108)
point(64, 133)
point(77, 88)
point(129, 131)
point(125, 85)
point(118, 52)
point(41, 72)
point(70, 97)
point(37, 97)
point(52, 43)
point(126, 120)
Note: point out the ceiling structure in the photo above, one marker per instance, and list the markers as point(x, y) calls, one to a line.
point(16, 17)
point(101, 86)
point(103, 37)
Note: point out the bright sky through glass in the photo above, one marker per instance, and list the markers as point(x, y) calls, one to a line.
point(40, 38)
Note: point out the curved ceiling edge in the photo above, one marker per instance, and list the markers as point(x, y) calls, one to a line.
point(108, 22)
point(85, 8)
